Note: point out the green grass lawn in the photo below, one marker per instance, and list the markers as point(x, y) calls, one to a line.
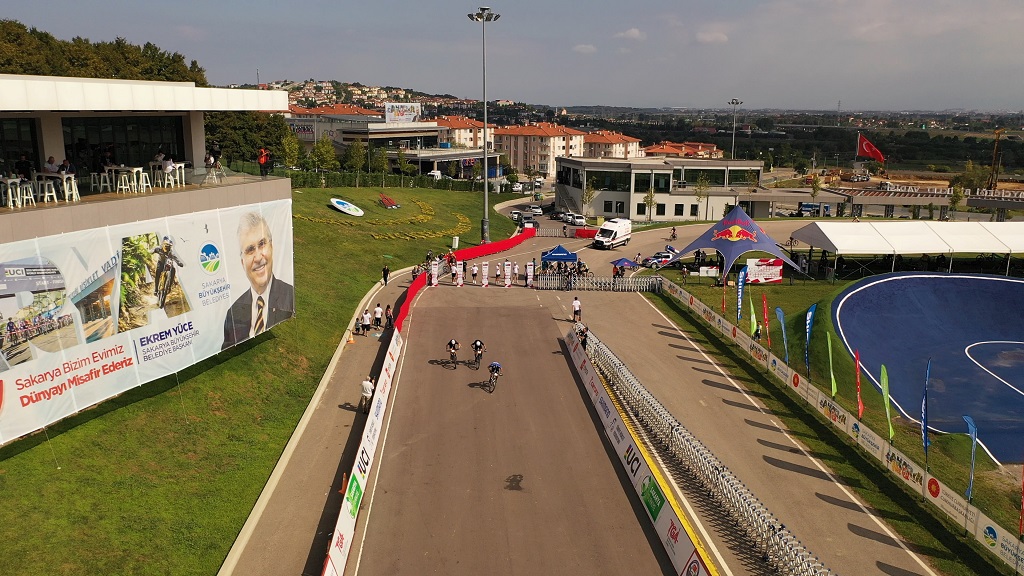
point(160, 479)
point(997, 493)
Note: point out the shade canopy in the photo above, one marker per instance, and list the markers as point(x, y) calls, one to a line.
point(624, 262)
point(733, 236)
point(558, 254)
point(916, 237)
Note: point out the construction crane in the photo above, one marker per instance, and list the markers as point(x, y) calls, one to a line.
point(993, 177)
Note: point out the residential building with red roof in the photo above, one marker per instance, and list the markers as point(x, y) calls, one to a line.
point(535, 146)
point(463, 131)
point(684, 150)
point(609, 144)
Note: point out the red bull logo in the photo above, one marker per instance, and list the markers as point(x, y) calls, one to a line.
point(734, 234)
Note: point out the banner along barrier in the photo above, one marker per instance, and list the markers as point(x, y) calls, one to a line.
point(88, 315)
point(994, 538)
point(676, 535)
point(341, 540)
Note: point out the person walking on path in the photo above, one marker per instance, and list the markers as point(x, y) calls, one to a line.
point(366, 400)
point(475, 270)
point(378, 314)
point(384, 273)
point(577, 312)
point(389, 317)
point(366, 321)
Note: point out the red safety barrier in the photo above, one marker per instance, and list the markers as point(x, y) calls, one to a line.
point(464, 254)
point(410, 294)
point(585, 233)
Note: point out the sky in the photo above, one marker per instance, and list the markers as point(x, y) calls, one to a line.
point(786, 54)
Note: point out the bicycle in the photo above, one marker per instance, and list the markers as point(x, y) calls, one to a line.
point(167, 282)
point(477, 357)
point(492, 381)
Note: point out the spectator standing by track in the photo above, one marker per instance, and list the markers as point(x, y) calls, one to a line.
point(577, 312)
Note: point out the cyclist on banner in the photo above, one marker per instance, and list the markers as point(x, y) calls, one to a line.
point(164, 252)
point(478, 351)
point(453, 347)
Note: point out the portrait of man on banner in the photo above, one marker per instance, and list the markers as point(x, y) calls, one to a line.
point(268, 300)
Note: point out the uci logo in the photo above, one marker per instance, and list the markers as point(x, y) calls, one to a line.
point(209, 258)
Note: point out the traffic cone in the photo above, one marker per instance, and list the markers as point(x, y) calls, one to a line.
point(351, 338)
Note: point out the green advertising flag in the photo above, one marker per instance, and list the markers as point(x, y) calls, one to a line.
point(885, 398)
point(830, 372)
point(753, 315)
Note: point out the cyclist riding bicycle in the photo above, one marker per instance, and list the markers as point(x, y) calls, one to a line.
point(495, 370)
point(453, 346)
point(164, 252)
point(478, 350)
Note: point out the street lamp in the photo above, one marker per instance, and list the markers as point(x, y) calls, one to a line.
point(483, 16)
point(732, 154)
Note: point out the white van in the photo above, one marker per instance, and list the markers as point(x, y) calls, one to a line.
point(435, 174)
point(614, 232)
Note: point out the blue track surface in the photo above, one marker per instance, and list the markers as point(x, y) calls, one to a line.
point(971, 326)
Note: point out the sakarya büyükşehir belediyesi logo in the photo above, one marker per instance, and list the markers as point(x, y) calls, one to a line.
point(209, 258)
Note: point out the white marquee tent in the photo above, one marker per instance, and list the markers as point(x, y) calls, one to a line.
point(915, 237)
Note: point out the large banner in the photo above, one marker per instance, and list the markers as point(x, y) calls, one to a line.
point(764, 270)
point(402, 112)
point(87, 315)
point(344, 528)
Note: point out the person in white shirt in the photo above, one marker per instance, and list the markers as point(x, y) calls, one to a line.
point(577, 313)
point(51, 165)
point(475, 270)
point(378, 313)
point(367, 397)
point(366, 321)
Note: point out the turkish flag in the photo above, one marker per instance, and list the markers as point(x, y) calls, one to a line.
point(866, 148)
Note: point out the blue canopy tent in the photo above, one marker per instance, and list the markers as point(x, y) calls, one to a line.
point(558, 254)
point(734, 235)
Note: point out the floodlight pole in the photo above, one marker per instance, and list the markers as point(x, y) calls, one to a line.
point(483, 16)
point(732, 154)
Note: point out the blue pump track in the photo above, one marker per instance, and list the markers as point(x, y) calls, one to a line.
point(971, 326)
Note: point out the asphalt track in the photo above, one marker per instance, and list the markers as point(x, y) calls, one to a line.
point(520, 480)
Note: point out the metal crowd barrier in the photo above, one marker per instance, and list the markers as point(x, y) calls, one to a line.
point(603, 283)
point(779, 547)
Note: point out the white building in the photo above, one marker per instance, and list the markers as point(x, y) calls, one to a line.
point(608, 144)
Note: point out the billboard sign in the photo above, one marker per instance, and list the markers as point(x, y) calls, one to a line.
point(402, 112)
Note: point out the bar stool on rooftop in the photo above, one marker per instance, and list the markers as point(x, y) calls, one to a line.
point(47, 189)
point(105, 182)
point(124, 183)
point(71, 190)
point(144, 183)
point(27, 193)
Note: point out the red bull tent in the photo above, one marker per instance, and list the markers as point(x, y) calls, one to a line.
point(558, 254)
point(733, 236)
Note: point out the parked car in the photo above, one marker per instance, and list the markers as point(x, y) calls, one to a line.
point(527, 219)
point(517, 187)
point(567, 217)
point(657, 260)
point(515, 215)
point(578, 220)
point(535, 209)
point(556, 215)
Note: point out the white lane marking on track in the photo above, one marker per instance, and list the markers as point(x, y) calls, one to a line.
point(967, 351)
point(785, 432)
point(383, 441)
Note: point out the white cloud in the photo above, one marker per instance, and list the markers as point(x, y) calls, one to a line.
point(632, 34)
point(584, 48)
point(712, 37)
